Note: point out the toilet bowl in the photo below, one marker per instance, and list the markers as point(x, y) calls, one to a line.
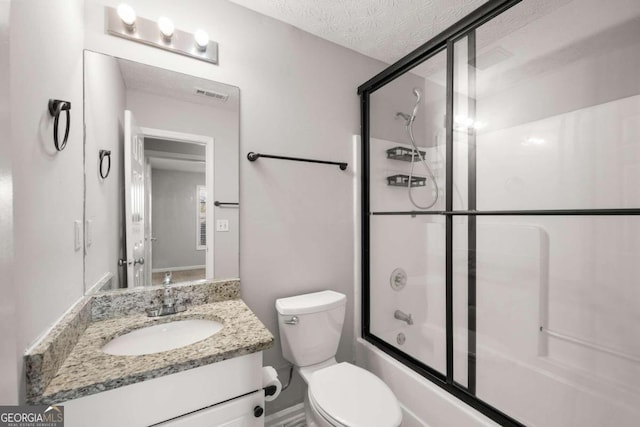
point(338, 394)
point(346, 395)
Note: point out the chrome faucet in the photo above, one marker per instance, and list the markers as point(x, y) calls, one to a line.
point(167, 278)
point(401, 315)
point(168, 305)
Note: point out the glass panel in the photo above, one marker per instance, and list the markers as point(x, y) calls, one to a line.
point(558, 106)
point(414, 249)
point(557, 313)
point(408, 139)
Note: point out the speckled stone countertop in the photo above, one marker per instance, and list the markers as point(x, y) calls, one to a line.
point(87, 370)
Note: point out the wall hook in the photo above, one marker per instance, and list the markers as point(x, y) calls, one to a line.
point(56, 107)
point(105, 154)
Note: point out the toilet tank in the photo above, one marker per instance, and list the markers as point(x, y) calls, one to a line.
point(310, 326)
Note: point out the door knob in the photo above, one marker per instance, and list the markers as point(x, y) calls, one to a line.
point(138, 261)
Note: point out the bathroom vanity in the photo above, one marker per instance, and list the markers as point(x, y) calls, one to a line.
point(226, 393)
point(215, 381)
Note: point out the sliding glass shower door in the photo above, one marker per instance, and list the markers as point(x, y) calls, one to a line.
point(407, 252)
point(501, 212)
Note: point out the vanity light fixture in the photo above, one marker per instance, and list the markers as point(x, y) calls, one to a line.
point(202, 40)
point(128, 16)
point(166, 27)
point(123, 22)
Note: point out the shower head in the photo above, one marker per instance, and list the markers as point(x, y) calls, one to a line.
point(411, 117)
point(416, 92)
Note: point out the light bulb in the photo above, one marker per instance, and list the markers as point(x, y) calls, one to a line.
point(166, 27)
point(202, 39)
point(128, 15)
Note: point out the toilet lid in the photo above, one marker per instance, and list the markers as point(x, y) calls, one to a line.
point(354, 397)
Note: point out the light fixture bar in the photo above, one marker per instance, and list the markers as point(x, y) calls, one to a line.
point(146, 31)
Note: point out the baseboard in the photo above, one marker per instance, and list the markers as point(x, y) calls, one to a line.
point(292, 416)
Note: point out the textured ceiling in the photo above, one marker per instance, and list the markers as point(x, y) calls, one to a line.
point(531, 38)
point(383, 29)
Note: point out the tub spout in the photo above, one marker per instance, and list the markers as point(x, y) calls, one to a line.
point(400, 315)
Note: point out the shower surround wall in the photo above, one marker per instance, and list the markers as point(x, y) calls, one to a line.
point(557, 307)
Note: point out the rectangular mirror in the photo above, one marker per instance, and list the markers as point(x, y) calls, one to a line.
point(161, 176)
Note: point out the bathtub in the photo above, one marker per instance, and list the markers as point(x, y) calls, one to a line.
point(423, 403)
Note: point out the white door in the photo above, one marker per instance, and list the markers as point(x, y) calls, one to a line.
point(134, 200)
point(148, 228)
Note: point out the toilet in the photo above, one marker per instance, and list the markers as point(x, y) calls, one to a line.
point(338, 394)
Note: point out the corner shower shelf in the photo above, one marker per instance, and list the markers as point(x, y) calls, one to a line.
point(405, 154)
point(403, 181)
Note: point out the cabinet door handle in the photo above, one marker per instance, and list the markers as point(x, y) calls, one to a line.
point(258, 411)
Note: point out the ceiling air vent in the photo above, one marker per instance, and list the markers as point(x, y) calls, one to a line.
point(222, 97)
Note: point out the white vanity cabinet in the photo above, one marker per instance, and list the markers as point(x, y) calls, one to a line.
point(246, 411)
point(223, 394)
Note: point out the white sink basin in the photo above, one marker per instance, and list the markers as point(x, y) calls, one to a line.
point(163, 337)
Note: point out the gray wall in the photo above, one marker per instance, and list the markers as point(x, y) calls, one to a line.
point(105, 96)
point(222, 124)
point(173, 217)
point(298, 98)
point(45, 62)
point(8, 354)
point(397, 96)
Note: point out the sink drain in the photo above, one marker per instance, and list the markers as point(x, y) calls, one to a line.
point(401, 338)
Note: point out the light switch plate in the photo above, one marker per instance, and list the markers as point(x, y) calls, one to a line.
point(89, 231)
point(222, 225)
point(77, 235)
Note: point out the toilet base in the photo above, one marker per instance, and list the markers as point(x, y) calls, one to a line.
point(307, 412)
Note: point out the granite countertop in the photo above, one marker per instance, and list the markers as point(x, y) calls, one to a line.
point(87, 370)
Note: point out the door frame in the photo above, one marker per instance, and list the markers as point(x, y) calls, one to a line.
point(208, 142)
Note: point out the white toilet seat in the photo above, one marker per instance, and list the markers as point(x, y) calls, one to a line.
point(349, 396)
